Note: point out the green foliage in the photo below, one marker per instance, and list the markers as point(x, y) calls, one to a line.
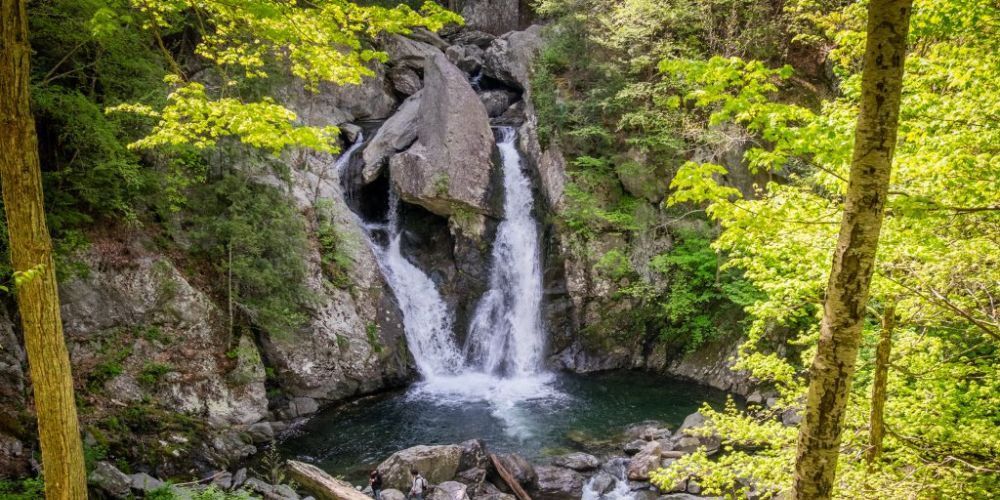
point(152, 372)
point(211, 493)
point(336, 248)
point(22, 489)
point(936, 257)
point(267, 239)
point(319, 42)
point(371, 331)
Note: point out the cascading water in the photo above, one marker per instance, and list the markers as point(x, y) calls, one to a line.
point(505, 335)
point(501, 363)
point(426, 320)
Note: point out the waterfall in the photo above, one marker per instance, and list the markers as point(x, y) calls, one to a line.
point(610, 483)
point(505, 335)
point(426, 320)
point(501, 363)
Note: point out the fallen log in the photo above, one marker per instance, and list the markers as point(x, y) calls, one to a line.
point(321, 484)
point(509, 478)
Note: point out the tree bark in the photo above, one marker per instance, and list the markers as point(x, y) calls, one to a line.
point(876, 420)
point(31, 249)
point(854, 256)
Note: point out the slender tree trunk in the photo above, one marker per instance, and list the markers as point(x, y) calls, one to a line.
point(31, 249)
point(876, 421)
point(854, 256)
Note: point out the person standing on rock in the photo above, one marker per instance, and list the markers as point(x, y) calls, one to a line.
point(419, 485)
point(375, 480)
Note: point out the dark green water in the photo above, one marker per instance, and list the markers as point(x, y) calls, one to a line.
point(574, 412)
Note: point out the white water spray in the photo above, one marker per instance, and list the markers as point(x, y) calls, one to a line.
point(501, 363)
point(505, 335)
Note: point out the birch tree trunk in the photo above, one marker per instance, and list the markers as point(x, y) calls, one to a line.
point(876, 420)
point(31, 249)
point(854, 256)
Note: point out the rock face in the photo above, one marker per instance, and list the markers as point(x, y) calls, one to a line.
point(448, 169)
point(510, 56)
point(396, 134)
point(436, 463)
point(493, 16)
point(557, 483)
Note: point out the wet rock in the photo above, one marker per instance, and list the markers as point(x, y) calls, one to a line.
point(350, 131)
point(449, 490)
point(110, 480)
point(144, 483)
point(436, 463)
point(602, 482)
point(577, 461)
point(635, 446)
point(449, 167)
point(396, 134)
point(474, 455)
point(645, 462)
point(558, 483)
point(497, 101)
point(509, 58)
point(405, 80)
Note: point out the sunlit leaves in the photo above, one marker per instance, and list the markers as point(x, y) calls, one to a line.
point(327, 41)
point(191, 117)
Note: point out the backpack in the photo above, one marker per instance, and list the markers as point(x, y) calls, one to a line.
point(420, 485)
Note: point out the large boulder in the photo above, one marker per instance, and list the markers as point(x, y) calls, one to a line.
point(448, 168)
point(436, 463)
point(110, 480)
point(558, 483)
point(577, 461)
point(645, 462)
point(449, 490)
point(408, 52)
point(396, 134)
point(509, 57)
point(474, 455)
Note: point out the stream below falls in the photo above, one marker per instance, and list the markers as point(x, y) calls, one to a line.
point(572, 413)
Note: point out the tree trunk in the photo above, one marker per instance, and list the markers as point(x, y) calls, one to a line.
point(854, 256)
point(876, 421)
point(31, 249)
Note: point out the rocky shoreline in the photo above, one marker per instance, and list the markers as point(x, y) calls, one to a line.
point(464, 471)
